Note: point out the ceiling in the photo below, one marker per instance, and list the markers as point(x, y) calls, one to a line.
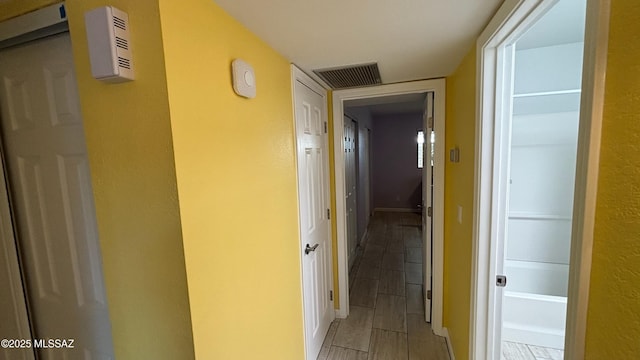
point(391, 105)
point(409, 39)
point(562, 24)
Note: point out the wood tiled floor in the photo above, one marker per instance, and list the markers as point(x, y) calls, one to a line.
point(386, 318)
point(518, 351)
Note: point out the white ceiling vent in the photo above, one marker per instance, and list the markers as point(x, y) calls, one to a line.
point(351, 76)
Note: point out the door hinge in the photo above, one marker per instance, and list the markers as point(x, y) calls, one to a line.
point(428, 294)
point(331, 295)
point(325, 127)
point(430, 122)
point(501, 280)
point(429, 211)
point(328, 214)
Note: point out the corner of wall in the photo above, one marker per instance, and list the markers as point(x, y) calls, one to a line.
point(613, 319)
point(134, 181)
point(459, 191)
point(236, 179)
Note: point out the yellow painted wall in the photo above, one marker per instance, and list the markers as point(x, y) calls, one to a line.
point(236, 173)
point(131, 157)
point(613, 322)
point(459, 177)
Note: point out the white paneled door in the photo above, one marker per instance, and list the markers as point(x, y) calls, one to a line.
point(50, 184)
point(427, 202)
point(351, 191)
point(313, 192)
point(14, 321)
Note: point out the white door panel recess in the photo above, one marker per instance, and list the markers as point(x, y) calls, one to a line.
point(50, 183)
point(313, 197)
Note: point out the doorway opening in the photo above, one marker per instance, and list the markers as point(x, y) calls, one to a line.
point(537, 137)
point(352, 170)
point(381, 175)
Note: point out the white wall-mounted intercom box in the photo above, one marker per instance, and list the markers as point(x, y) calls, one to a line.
point(109, 44)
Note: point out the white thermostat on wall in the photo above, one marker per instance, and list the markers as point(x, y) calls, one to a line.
point(109, 44)
point(244, 80)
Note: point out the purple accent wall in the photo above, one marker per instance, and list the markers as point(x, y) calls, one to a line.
point(396, 180)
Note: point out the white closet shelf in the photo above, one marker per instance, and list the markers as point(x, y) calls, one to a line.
point(546, 102)
point(547, 93)
point(537, 216)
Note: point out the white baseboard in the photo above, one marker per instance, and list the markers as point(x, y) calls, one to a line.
point(447, 337)
point(340, 314)
point(403, 210)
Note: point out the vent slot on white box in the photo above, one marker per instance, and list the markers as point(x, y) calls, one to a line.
point(122, 43)
point(119, 23)
point(109, 44)
point(124, 63)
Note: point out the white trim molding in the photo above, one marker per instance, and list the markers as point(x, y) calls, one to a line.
point(339, 97)
point(447, 337)
point(401, 210)
point(512, 19)
point(586, 188)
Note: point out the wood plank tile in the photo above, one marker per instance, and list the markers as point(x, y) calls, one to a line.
point(390, 313)
point(373, 252)
point(413, 273)
point(364, 292)
point(412, 241)
point(369, 269)
point(392, 283)
point(395, 246)
point(354, 332)
point(555, 354)
point(388, 345)
point(328, 339)
point(394, 233)
point(443, 350)
point(378, 239)
point(340, 353)
point(423, 343)
point(413, 255)
point(393, 261)
point(516, 351)
point(539, 352)
point(415, 299)
point(412, 236)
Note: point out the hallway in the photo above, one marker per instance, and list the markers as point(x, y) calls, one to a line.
point(386, 319)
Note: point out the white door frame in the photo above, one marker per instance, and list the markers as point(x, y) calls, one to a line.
point(299, 75)
point(339, 97)
point(511, 20)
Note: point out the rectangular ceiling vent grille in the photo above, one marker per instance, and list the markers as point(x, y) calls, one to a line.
point(351, 76)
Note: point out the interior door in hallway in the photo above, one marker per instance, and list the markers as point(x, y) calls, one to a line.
point(427, 201)
point(364, 164)
point(351, 191)
point(313, 191)
point(50, 184)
